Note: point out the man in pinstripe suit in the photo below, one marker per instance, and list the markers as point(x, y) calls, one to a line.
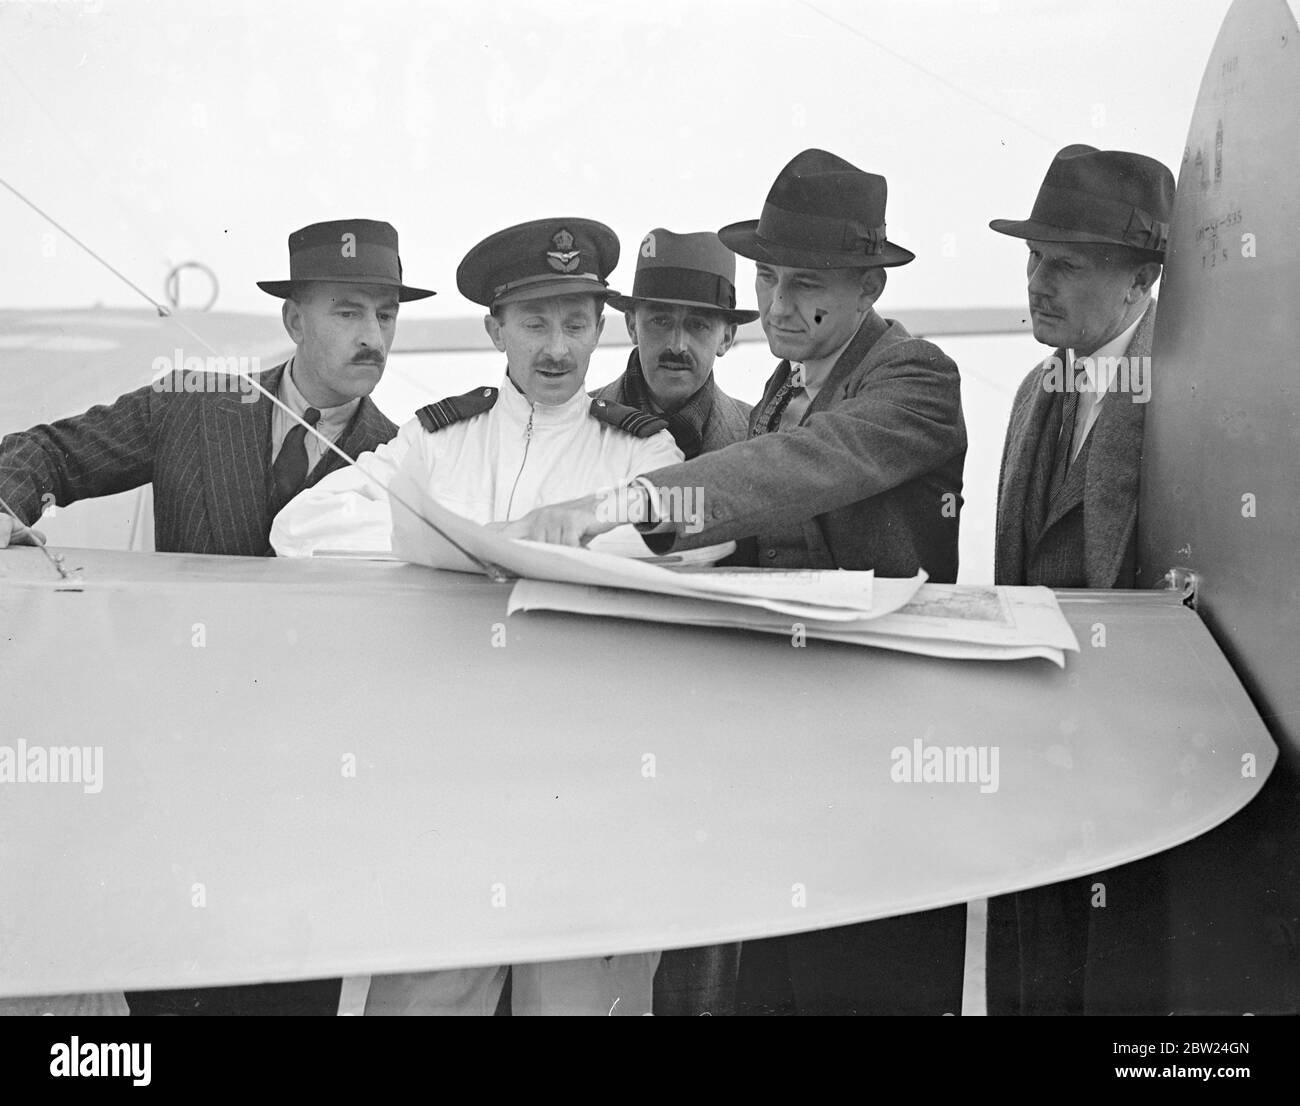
point(212, 455)
point(222, 466)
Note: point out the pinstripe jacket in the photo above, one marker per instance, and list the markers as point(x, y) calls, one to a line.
point(207, 452)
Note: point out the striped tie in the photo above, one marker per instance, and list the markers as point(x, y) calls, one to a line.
point(770, 420)
point(1064, 444)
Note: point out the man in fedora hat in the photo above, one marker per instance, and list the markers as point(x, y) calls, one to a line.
point(221, 465)
point(1067, 518)
point(222, 459)
point(681, 317)
point(853, 460)
point(1067, 498)
point(493, 454)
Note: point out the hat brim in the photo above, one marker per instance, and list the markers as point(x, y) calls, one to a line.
point(732, 315)
point(560, 286)
point(744, 239)
point(282, 289)
point(1045, 232)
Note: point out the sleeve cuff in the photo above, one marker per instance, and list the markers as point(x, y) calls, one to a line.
point(653, 524)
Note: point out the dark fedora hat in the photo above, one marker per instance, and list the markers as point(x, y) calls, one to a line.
point(692, 270)
point(822, 213)
point(539, 259)
point(1101, 196)
point(346, 251)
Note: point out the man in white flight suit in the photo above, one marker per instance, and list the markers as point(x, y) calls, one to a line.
point(493, 455)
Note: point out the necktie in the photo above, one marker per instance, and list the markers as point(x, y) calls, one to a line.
point(1064, 444)
point(289, 472)
point(771, 417)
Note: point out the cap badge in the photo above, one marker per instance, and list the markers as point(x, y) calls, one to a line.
point(563, 259)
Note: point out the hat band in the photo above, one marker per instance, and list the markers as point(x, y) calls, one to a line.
point(1071, 209)
point(546, 278)
point(378, 264)
point(665, 282)
point(818, 232)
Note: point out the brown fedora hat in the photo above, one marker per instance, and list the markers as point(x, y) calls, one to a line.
point(345, 251)
point(821, 213)
point(691, 270)
point(1107, 197)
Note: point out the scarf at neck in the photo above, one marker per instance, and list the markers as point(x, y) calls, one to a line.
point(686, 424)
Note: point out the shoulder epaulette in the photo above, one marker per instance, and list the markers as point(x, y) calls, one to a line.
point(629, 419)
point(454, 409)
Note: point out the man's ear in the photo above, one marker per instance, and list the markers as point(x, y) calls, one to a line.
point(493, 327)
point(1145, 278)
point(291, 313)
point(600, 326)
point(728, 338)
point(873, 283)
point(629, 317)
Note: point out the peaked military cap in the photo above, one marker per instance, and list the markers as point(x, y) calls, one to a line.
point(1101, 196)
point(821, 213)
point(536, 260)
point(345, 251)
point(692, 270)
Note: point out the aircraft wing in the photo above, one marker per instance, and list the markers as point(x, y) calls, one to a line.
point(325, 767)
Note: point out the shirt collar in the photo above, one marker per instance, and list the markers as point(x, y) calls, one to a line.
point(331, 418)
point(520, 407)
point(1112, 350)
point(816, 370)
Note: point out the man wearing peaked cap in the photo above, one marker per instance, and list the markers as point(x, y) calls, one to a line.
point(1067, 518)
point(681, 317)
point(222, 458)
point(544, 284)
point(537, 260)
point(853, 460)
point(492, 455)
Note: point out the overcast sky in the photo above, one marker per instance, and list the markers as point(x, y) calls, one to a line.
point(165, 132)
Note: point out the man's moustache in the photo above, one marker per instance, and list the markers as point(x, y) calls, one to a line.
point(677, 362)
